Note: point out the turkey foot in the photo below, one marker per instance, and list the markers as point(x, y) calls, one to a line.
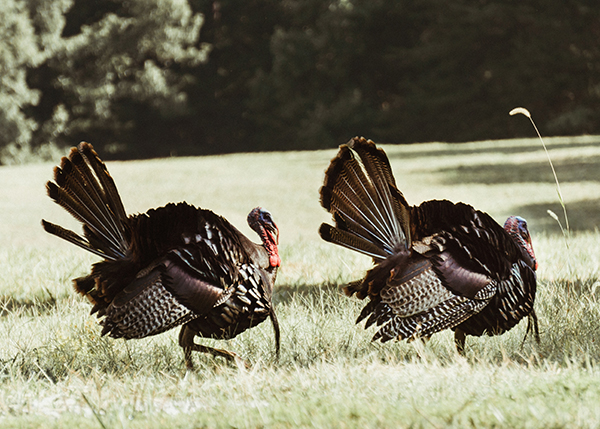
point(186, 341)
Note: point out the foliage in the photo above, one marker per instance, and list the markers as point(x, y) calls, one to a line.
point(119, 76)
point(20, 51)
point(432, 70)
point(238, 33)
point(163, 77)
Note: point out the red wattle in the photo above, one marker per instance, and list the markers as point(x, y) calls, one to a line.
point(274, 260)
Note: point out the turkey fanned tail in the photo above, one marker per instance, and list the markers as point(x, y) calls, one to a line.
point(437, 266)
point(370, 213)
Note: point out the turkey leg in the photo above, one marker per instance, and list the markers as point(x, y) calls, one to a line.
point(186, 340)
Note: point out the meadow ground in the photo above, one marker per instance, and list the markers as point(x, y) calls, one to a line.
point(56, 371)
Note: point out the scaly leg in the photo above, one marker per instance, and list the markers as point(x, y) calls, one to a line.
point(532, 324)
point(186, 340)
point(275, 330)
point(459, 341)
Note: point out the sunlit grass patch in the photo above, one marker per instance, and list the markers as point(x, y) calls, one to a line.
point(57, 371)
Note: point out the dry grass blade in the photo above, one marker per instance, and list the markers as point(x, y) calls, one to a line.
point(94, 411)
point(525, 112)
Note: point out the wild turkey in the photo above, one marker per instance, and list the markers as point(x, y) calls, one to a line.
point(175, 265)
point(438, 265)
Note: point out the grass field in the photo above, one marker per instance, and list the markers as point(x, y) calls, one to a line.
point(56, 371)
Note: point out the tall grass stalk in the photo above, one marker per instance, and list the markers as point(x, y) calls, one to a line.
point(525, 112)
point(565, 231)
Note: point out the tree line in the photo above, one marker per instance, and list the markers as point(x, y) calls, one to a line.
point(149, 78)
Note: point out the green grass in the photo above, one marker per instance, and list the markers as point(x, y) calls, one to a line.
point(56, 371)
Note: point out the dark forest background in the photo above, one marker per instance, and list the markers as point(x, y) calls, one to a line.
point(149, 78)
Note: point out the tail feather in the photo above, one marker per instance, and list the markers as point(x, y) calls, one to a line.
point(85, 215)
point(77, 178)
point(350, 241)
point(73, 238)
point(367, 201)
point(371, 215)
point(106, 181)
point(351, 215)
point(71, 180)
point(349, 195)
point(85, 189)
point(378, 167)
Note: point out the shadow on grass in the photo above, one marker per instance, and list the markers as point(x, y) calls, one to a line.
point(584, 215)
point(10, 305)
point(455, 151)
point(586, 287)
point(568, 170)
point(284, 294)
